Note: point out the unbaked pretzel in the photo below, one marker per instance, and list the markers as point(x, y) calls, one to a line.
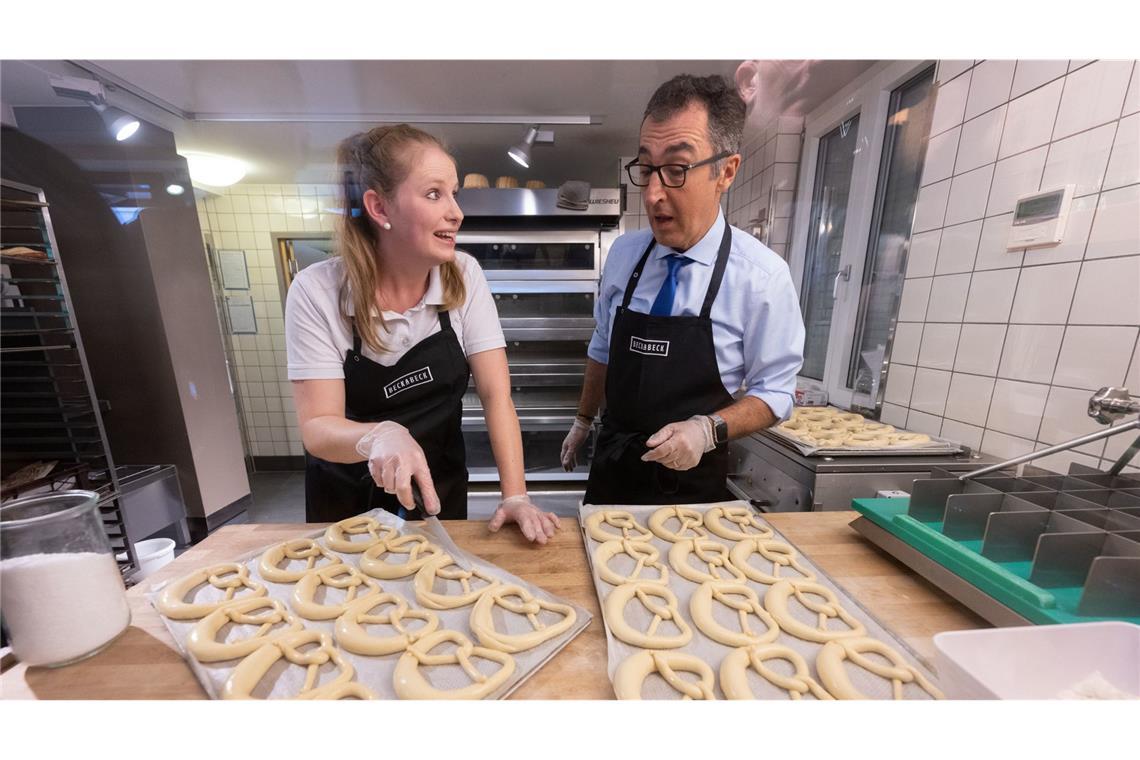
point(410, 683)
point(252, 669)
point(631, 674)
point(868, 439)
point(692, 524)
point(777, 552)
point(439, 567)
point(228, 576)
point(776, 602)
point(335, 576)
point(643, 552)
point(296, 549)
point(352, 635)
point(336, 536)
point(202, 642)
point(739, 597)
point(417, 547)
point(616, 518)
point(909, 439)
point(743, 517)
point(734, 672)
point(829, 663)
point(615, 616)
point(713, 553)
point(518, 600)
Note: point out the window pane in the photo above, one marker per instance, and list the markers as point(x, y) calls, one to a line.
point(825, 240)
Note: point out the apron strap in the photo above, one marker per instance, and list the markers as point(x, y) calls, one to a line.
point(355, 335)
point(444, 320)
point(633, 278)
point(718, 271)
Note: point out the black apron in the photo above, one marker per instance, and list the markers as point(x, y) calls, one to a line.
point(662, 369)
point(423, 391)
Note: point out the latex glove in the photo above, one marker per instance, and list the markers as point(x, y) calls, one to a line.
point(680, 445)
point(578, 434)
point(394, 458)
point(535, 524)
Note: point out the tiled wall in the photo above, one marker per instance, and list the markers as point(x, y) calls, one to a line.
point(767, 180)
point(246, 218)
point(1002, 349)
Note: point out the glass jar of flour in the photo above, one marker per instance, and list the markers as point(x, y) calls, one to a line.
point(61, 593)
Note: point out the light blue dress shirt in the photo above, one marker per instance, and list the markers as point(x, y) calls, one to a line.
point(758, 332)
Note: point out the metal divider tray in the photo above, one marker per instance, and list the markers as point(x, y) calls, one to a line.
point(1047, 549)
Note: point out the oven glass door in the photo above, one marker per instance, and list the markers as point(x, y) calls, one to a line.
point(534, 255)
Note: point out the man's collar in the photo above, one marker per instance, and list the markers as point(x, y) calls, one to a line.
point(433, 296)
point(705, 250)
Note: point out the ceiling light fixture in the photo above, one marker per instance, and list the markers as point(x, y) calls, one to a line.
point(214, 170)
point(119, 123)
point(520, 151)
point(175, 189)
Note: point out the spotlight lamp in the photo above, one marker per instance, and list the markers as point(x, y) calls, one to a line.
point(520, 152)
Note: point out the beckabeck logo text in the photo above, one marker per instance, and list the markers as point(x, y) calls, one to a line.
point(648, 347)
point(410, 380)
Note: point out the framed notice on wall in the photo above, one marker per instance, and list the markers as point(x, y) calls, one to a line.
point(234, 271)
point(239, 313)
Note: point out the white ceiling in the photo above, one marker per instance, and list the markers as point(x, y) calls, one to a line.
point(614, 93)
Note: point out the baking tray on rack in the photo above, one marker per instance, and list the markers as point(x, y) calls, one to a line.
point(376, 672)
point(936, 446)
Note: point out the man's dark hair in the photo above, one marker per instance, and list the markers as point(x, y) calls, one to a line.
point(718, 97)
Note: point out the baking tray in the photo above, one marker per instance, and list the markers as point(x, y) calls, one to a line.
point(375, 672)
point(937, 445)
point(713, 652)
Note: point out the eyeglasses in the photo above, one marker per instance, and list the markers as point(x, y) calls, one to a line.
point(671, 175)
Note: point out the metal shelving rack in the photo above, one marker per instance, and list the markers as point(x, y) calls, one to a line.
point(48, 408)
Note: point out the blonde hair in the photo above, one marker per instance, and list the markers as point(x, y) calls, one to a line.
point(379, 159)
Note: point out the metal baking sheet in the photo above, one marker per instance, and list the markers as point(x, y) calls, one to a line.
point(937, 445)
point(376, 672)
point(713, 652)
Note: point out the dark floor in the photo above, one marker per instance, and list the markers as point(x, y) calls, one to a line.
point(277, 497)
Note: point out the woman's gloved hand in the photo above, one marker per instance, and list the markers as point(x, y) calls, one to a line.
point(578, 434)
point(680, 445)
point(394, 458)
point(535, 524)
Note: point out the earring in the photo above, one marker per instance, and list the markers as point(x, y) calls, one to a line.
point(387, 225)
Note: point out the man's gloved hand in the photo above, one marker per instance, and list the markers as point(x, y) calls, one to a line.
point(578, 434)
point(394, 458)
point(535, 524)
point(680, 445)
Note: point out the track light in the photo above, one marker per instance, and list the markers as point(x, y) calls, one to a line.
point(214, 170)
point(520, 152)
point(119, 123)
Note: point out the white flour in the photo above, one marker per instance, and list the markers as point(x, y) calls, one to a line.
point(60, 606)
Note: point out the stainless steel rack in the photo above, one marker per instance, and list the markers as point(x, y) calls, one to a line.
point(48, 407)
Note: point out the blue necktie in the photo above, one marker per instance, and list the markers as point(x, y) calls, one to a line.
point(663, 305)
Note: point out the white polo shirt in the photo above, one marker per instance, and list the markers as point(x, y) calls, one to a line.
point(317, 339)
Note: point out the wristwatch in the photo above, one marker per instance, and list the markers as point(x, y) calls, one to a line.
point(720, 429)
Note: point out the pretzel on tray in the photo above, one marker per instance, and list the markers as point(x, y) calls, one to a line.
point(713, 553)
point(739, 597)
point(743, 517)
point(643, 552)
point(334, 576)
point(781, 556)
point(410, 683)
point(420, 551)
point(296, 549)
point(228, 576)
point(443, 566)
point(204, 646)
point(734, 672)
point(252, 669)
point(648, 639)
point(337, 534)
point(692, 524)
point(776, 602)
point(352, 636)
point(616, 518)
point(633, 671)
point(518, 600)
point(829, 663)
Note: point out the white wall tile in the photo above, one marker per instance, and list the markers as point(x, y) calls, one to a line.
point(1031, 352)
point(893, 414)
point(1124, 165)
point(947, 70)
point(930, 389)
point(900, 378)
point(916, 293)
point(979, 143)
point(969, 398)
point(1132, 379)
point(785, 176)
point(948, 298)
point(1108, 293)
point(1092, 357)
point(979, 349)
point(1066, 417)
point(1093, 95)
point(991, 296)
point(1017, 407)
point(788, 148)
point(930, 207)
point(990, 86)
point(939, 342)
point(908, 338)
point(940, 156)
point(1060, 462)
point(1075, 237)
point(1115, 446)
point(1014, 177)
point(1029, 119)
point(958, 247)
point(967, 435)
point(950, 104)
point(992, 252)
point(923, 254)
point(1004, 446)
point(1032, 74)
point(1079, 160)
point(920, 422)
point(1116, 230)
point(1044, 294)
point(968, 195)
point(1132, 98)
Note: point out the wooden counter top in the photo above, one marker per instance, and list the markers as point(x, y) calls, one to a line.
point(144, 663)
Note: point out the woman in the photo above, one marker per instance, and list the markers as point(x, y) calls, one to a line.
point(380, 397)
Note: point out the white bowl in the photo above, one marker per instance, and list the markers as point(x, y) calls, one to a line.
point(152, 554)
point(1040, 661)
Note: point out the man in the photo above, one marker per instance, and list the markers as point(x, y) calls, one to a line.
point(688, 313)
